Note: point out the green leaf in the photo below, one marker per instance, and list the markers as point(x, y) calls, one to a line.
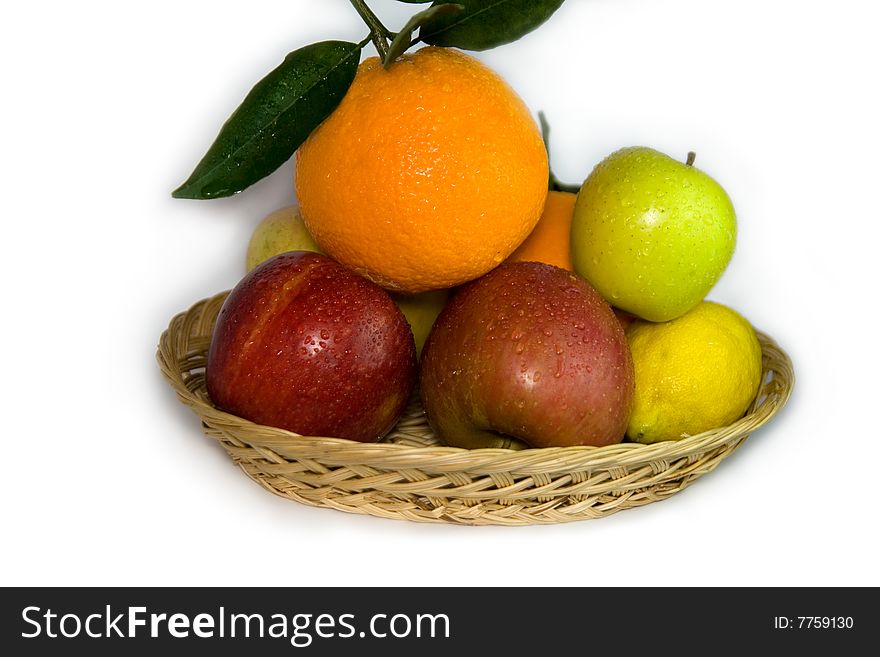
point(403, 40)
point(274, 119)
point(484, 24)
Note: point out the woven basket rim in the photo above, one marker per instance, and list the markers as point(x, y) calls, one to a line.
point(444, 459)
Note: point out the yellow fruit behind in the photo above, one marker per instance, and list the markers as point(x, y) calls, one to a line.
point(421, 311)
point(427, 175)
point(694, 373)
point(278, 232)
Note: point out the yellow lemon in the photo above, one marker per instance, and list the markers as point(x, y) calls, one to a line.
point(694, 373)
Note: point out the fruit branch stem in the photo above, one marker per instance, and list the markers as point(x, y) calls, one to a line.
point(554, 184)
point(690, 159)
point(378, 32)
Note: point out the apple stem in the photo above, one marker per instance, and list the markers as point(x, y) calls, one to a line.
point(690, 159)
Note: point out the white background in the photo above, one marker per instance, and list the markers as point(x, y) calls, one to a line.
point(107, 106)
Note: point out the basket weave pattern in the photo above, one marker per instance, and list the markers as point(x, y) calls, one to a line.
point(411, 475)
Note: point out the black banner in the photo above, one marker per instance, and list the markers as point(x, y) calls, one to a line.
point(429, 621)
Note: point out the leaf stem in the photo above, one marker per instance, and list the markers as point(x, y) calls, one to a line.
point(379, 34)
point(554, 184)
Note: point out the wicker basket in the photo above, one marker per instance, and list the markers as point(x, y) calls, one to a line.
point(411, 476)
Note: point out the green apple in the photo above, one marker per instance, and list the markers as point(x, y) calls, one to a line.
point(652, 234)
point(281, 231)
point(421, 311)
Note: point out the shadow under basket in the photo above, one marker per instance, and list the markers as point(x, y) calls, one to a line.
point(410, 475)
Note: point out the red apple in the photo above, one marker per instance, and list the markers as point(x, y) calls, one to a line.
point(531, 353)
point(304, 344)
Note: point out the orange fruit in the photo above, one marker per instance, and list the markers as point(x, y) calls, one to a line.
point(426, 175)
point(550, 241)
